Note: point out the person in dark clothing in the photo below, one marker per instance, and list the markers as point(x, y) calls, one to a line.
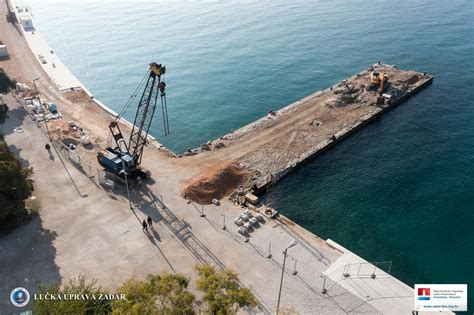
point(145, 227)
point(48, 148)
point(150, 222)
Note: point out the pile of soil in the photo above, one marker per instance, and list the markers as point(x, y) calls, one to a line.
point(215, 183)
point(60, 129)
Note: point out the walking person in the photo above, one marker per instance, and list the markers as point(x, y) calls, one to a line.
point(145, 226)
point(48, 148)
point(150, 222)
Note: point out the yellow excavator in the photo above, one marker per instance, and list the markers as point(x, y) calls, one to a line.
point(377, 79)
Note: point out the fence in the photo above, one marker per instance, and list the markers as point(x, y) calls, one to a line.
point(75, 159)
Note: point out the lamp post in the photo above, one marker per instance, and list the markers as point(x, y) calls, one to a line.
point(223, 223)
point(36, 89)
point(292, 244)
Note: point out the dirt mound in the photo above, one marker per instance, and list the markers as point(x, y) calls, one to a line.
point(60, 129)
point(215, 183)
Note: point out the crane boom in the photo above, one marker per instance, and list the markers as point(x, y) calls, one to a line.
point(145, 112)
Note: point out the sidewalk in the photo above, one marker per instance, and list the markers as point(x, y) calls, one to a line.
point(46, 57)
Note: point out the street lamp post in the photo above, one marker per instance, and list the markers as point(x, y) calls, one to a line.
point(36, 89)
point(292, 244)
point(39, 99)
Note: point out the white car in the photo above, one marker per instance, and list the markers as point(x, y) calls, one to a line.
point(238, 222)
point(253, 221)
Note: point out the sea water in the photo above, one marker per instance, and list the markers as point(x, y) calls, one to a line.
point(399, 190)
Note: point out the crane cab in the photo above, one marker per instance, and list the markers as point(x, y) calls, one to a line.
point(115, 161)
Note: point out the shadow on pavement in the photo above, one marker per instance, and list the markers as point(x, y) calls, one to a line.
point(15, 119)
point(15, 150)
point(27, 258)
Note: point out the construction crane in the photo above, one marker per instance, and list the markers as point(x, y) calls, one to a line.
point(126, 157)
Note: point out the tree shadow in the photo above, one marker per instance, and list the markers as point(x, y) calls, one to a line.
point(15, 150)
point(15, 119)
point(27, 258)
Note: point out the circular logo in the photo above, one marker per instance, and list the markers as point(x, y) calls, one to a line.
point(20, 297)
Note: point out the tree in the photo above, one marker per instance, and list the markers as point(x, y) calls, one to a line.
point(222, 292)
point(170, 290)
point(6, 84)
point(72, 306)
point(15, 185)
point(140, 299)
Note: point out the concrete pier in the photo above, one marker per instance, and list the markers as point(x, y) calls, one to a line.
point(277, 143)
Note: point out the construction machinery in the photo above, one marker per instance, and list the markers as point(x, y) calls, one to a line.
point(377, 80)
point(125, 158)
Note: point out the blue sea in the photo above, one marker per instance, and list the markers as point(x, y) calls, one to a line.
point(400, 190)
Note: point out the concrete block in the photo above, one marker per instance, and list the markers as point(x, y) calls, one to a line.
point(251, 198)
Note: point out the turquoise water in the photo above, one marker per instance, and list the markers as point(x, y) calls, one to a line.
point(401, 190)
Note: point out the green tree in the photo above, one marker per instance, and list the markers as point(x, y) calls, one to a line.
point(139, 299)
point(15, 185)
point(169, 290)
point(172, 293)
point(6, 84)
point(222, 292)
point(72, 306)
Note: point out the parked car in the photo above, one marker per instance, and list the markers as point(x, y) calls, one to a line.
point(42, 59)
point(52, 107)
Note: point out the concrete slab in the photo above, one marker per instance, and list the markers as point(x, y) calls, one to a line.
point(373, 285)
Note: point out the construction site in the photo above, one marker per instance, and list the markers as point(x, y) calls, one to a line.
point(269, 148)
point(206, 200)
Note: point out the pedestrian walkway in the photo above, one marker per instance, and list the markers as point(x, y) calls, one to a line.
point(47, 58)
